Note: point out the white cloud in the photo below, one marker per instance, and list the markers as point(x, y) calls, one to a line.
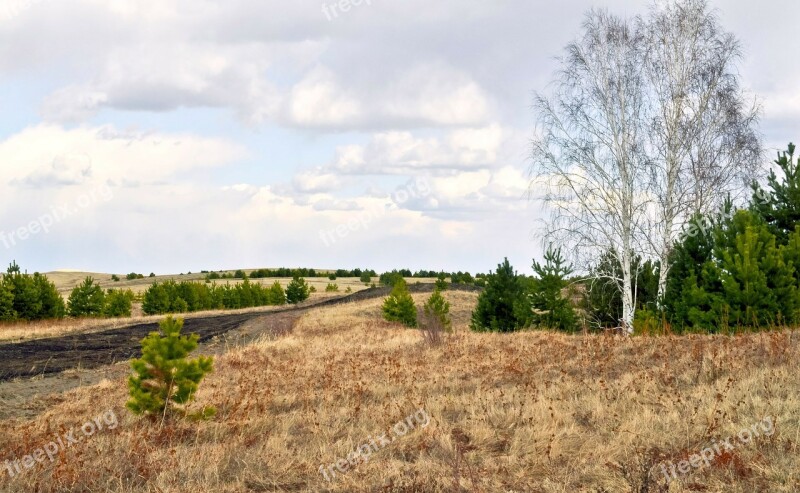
point(49, 155)
point(403, 153)
point(315, 181)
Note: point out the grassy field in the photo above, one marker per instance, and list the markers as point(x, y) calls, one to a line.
point(65, 281)
point(525, 412)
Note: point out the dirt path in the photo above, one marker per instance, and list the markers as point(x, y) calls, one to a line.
point(27, 397)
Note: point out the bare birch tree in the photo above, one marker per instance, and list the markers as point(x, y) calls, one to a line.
point(588, 148)
point(702, 137)
point(647, 125)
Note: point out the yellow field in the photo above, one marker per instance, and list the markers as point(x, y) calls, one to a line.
point(525, 412)
point(65, 281)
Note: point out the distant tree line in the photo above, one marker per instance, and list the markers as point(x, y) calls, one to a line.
point(188, 296)
point(35, 297)
point(391, 278)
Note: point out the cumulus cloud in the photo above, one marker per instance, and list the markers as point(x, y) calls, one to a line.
point(70, 156)
point(404, 153)
point(266, 123)
point(71, 169)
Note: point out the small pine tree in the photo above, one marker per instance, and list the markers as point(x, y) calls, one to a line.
point(758, 286)
point(441, 282)
point(551, 309)
point(276, 294)
point(332, 277)
point(27, 300)
point(165, 381)
point(503, 306)
point(391, 278)
point(332, 288)
point(181, 306)
point(438, 307)
point(365, 277)
point(7, 312)
point(156, 300)
point(297, 291)
point(399, 306)
point(52, 304)
point(779, 206)
point(86, 300)
point(118, 303)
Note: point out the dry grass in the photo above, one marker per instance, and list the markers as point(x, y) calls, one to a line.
point(65, 281)
point(532, 411)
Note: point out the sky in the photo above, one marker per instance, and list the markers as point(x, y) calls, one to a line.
point(184, 135)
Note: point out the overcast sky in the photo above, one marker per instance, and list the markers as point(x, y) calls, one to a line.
point(180, 135)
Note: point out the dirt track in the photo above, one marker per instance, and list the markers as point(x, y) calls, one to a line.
point(92, 350)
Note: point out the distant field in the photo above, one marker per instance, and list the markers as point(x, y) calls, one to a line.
point(65, 281)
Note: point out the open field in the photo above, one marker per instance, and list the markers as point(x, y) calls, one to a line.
point(65, 281)
point(529, 411)
point(28, 331)
point(92, 348)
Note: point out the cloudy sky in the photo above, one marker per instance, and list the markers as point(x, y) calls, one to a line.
point(180, 135)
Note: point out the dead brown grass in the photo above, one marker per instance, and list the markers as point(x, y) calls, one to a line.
point(531, 411)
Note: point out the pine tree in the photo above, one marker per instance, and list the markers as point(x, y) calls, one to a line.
point(52, 304)
point(551, 309)
point(399, 306)
point(690, 301)
point(7, 312)
point(441, 282)
point(758, 286)
point(297, 291)
point(156, 300)
point(503, 306)
point(276, 295)
point(165, 381)
point(86, 300)
point(246, 293)
point(733, 276)
point(779, 206)
point(27, 300)
point(438, 307)
point(179, 305)
point(391, 278)
point(118, 303)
